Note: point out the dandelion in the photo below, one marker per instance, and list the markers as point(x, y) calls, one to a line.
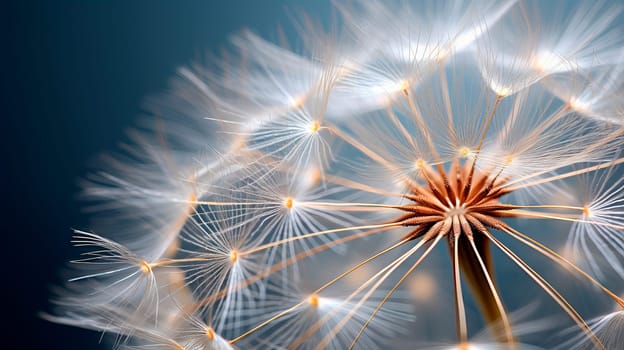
point(303, 199)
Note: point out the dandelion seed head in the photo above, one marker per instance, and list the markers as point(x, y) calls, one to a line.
point(293, 196)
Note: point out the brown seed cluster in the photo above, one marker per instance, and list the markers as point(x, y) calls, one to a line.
point(460, 200)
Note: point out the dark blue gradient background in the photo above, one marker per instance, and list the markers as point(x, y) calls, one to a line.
point(74, 77)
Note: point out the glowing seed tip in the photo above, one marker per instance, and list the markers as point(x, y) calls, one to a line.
point(403, 85)
point(288, 203)
point(210, 333)
point(464, 151)
point(586, 211)
point(192, 201)
point(314, 126)
point(146, 267)
point(578, 105)
point(419, 164)
point(313, 300)
point(234, 256)
point(501, 90)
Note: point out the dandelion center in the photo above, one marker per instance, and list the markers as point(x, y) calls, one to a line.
point(458, 200)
